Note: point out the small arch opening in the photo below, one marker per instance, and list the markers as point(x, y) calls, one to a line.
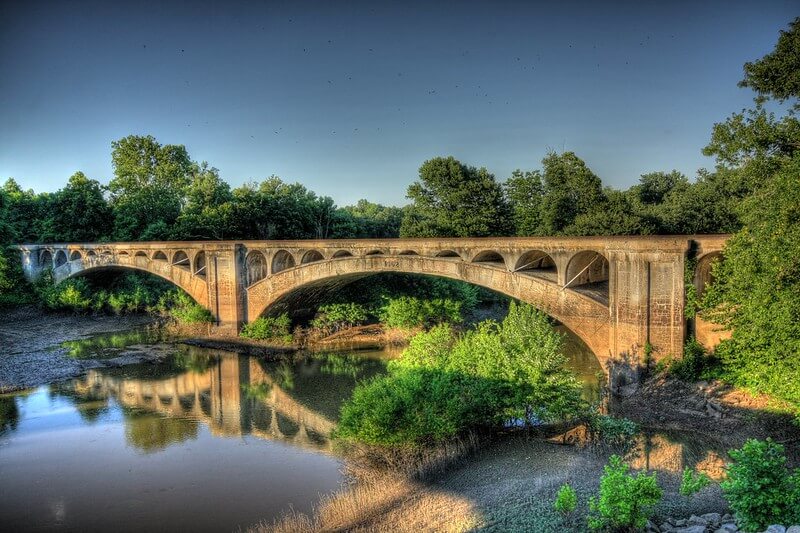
point(490, 257)
point(537, 263)
point(255, 267)
point(159, 256)
point(46, 259)
point(703, 272)
point(408, 252)
point(281, 261)
point(200, 264)
point(123, 253)
point(587, 273)
point(61, 258)
point(448, 254)
point(374, 252)
point(311, 256)
point(180, 259)
point(141, 254)
point(91, 253)
point(75, 255)
point(342, 253)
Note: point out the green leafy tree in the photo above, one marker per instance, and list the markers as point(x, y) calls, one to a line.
point(760, 489)
point(625, 501)
point(454, 200)
point(566, 500)
point(777, 74)
point(756, 292)
point(570, 189)
point(208, 207)
point(148, 186)
point(525, 191)
point(78, 212)
point(693, 482)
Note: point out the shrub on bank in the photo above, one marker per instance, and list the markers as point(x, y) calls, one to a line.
point(625, 501)
point(407, 312)
point(180, 306)
point(331, 318)
point(268, 328)
point(695, 364)
point(566, 500)
point(445, 384)
point(760, 488)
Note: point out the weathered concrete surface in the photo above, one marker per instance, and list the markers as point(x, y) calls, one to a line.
point(618, 294)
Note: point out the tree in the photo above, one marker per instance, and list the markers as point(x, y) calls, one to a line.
point(615, 214)
point(454, 200)
point(208, 206)
point(525, 191)
point(148, 186)
point(777, 74)
point(756, 291)
point(570, 189)
point(367, 220)
point(78, 212)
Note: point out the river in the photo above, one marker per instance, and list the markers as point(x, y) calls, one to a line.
point(206, 440)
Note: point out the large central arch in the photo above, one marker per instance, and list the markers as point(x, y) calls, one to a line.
point(586, 317)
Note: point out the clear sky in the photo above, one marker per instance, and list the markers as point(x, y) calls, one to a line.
point(350, 98)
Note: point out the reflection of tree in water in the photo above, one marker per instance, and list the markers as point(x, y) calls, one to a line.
point(256, 391)
point(90, 406)
point(340, 364)
point(150, 432)
point(95, 346)
point(193, 360)
point(9, 414)
point(323, 381)
point(284, 376)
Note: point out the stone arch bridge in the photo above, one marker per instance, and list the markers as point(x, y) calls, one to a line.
point(616, 293)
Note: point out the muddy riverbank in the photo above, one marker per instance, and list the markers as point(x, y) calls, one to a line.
point(33, 344)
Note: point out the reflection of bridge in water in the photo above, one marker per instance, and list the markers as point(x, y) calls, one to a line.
point(235, 396)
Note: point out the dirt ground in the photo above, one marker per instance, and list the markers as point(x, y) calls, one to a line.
point(31, 353)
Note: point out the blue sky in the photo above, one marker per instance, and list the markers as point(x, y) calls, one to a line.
point(350, 98)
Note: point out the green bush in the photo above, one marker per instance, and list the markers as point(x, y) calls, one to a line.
point(415, 407)
point(444, 384)
point(625, 501)
point(693, 482)
point(566, 500)
point(334, 317)
point(760, 488)
point(269, 328)
point(408, 312)
point(613, 431)
point(696, 363)
point(180, 306)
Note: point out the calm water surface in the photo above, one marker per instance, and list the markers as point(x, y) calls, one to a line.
point(205, 441)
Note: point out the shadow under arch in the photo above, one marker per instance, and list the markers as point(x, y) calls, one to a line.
point(299, 288)
point(194, 287)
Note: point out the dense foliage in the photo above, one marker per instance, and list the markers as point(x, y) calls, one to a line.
point(760, 488)
point(445, 384)
point(625, 501)
point(408, 312)
point(269, 328)
point(756, 292)
point(331, 318)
